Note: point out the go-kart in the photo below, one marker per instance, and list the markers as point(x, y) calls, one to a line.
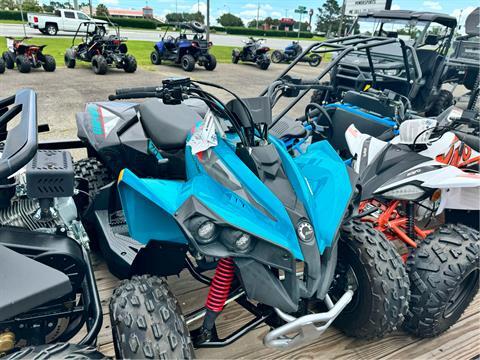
point(48, 286)
point(26, 56)
point(101, 51)
point(291, 52)
point(414, 69)
point(231, 196)
point(253, 51)
point(187, 49)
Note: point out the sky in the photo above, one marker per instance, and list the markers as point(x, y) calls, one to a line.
point(247, 9)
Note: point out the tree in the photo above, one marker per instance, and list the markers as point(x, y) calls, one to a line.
point(8, 4)
point(102, 10)
point(181, 17)
point(228, 19)
point(31, 5)
point(328, 16)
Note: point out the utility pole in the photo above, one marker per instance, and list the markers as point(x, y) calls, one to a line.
point(208, 20)
point(300, 10)
point(342, 17)
point(90, 7)
point(198, 5)
point(258, 11)
point(286, 13)
point(75, 4)
point(23, 20)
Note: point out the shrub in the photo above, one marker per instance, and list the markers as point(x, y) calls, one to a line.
point(260, 32)
point(12, 15)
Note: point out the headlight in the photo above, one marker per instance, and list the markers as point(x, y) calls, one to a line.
point(204, 230)
point(305, 231)
point(236, 240)
point(407, 192)
point(391, 72)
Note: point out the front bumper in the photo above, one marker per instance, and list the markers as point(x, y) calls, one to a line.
point(307, 328)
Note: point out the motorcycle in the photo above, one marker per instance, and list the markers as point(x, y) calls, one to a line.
point(230, 197)
point(253, 51)
point(291, 52)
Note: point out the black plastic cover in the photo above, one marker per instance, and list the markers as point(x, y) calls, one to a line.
point(50, 174)
point(26, 283)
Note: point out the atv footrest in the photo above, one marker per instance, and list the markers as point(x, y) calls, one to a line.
point(305, 329)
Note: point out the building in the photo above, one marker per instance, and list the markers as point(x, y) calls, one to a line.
point(146, 12)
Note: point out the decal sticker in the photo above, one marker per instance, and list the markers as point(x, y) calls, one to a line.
point(203, 136)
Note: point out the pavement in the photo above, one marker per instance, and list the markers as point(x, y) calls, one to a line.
point(63, 93)
point(150, 35)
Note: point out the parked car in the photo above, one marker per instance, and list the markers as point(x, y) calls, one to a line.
point(64, 20)
point(189, 48)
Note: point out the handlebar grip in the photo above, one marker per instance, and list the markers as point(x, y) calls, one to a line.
point(135, 95)
point(145, 89)
point(469, 139)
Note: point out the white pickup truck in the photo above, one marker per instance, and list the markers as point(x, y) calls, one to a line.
point(64, 20)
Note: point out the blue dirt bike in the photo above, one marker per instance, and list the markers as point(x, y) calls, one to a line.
point(277, 230)
point(189, 48)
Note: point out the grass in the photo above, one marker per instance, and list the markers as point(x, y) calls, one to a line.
point(140, 49)
point(12, 22)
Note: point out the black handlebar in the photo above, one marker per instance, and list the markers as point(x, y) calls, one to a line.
point(145, 89)
point(22, 141)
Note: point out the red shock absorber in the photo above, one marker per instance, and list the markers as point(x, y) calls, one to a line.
point(220, 287)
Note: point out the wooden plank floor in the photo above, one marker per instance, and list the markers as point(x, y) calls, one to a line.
point(462, 341)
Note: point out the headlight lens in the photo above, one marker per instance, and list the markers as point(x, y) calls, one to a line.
point(204, 230)
point(407, 192)
point(236, 240)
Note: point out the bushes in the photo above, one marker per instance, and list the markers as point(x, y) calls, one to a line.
point(133, 23)
point(12, 15)
point(260, 32)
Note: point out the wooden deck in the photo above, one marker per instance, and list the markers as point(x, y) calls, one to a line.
point(462, 341)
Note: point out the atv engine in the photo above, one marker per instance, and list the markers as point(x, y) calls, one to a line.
point(38, 218)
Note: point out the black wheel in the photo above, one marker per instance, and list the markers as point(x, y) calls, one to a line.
point(314, 60)
point(211, 63)
point(263, 64)
point(197, 27)
point(69, 59)
point(155, 58)
point(92, 175)
point(51, 29)
point(188, 62)
point(370, 265)
point(9, 59)
point(99, 65)
point(235, 57)
point(276, 56)
point(57, 351)
point(444, 274)
point(319, 96)
point(23, 64)
point(2, 66)
point(49, 63)
point(443, 100)
point(147, 321)
point(130, 64)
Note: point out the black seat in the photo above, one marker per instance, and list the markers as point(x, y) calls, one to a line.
point(167, 125)
point(287, 127)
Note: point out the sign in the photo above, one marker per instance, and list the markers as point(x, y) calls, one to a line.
point(355, 7)
point(301, 10)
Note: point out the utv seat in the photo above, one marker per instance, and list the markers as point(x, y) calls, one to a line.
point(167, 125)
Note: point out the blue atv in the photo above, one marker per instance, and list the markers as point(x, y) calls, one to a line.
point(202, 185)
point(187, 49)
point(293, 51)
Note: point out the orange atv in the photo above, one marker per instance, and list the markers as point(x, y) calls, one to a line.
point(26, 56)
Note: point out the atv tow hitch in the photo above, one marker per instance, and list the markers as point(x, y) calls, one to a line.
point(298, 331)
